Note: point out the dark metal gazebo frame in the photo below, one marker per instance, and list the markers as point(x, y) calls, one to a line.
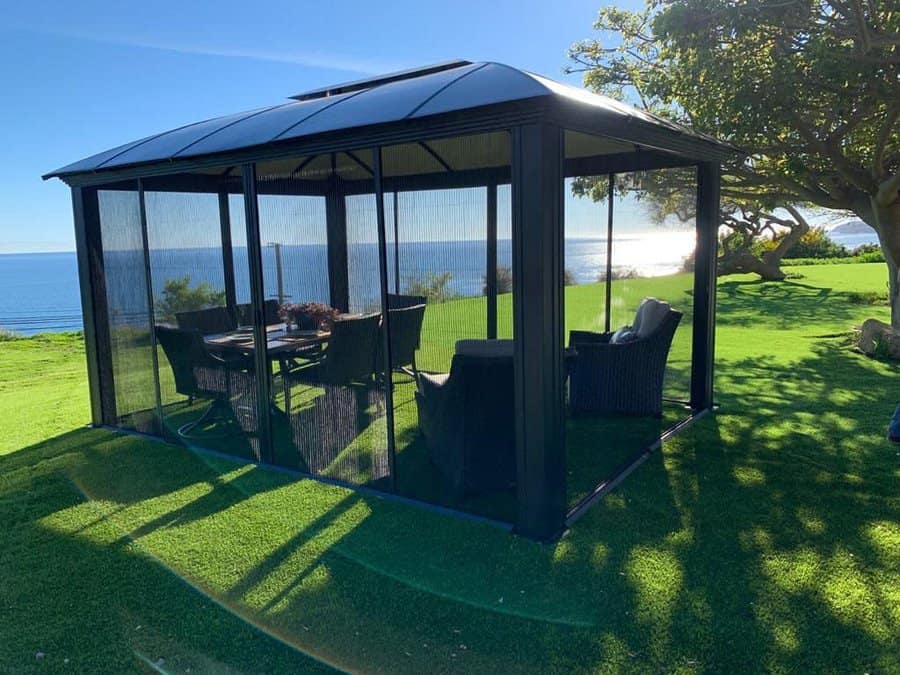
point(446, 100)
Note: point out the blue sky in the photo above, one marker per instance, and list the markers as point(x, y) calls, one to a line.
point(80, 77)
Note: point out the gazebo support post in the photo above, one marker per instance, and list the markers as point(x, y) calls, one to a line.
point(704, 328)
point(159, 427)
point(257, 303)
point(227, 252)
point(336, 226)
point(385, 316)
point(537, 172)
point(94, 307)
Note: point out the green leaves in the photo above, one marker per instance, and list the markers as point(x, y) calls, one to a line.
point(179, 296)
point(813, 80)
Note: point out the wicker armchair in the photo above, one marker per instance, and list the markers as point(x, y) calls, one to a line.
point(467, 418)
point(623, 378)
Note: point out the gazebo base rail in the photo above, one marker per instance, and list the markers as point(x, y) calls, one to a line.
point(609, 484)
point(573, 514)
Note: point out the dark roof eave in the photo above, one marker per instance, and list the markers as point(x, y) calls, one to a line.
point(673, 139)
point(470, 121)
point(567, 114)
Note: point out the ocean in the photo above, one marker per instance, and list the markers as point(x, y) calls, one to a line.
point(40, 290)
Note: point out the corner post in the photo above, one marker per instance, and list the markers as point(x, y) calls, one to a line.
point(94, 307)
point(704, 327)
point(537, 182)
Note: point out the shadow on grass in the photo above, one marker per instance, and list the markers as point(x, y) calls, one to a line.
point(78, 596)
point(783, 304)
point(764, 538)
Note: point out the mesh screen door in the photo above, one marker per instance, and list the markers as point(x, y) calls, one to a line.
point(207, 378)
point(127, 305)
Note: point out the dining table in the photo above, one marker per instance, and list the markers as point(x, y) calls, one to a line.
point(281, 344)
point(287, 347)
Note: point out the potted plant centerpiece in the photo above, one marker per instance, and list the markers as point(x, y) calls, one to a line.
point(307, 315)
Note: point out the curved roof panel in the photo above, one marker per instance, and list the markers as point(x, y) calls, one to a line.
point(415, 94)
point(489, 84)
point(385, 103)
point(170, 144)
point(260, 129)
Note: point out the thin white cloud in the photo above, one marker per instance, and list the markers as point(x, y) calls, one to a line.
point(314, 59)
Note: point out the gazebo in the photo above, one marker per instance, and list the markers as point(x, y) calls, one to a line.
point(366, 285)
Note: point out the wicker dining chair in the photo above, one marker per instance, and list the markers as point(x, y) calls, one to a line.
point(405, 338)
point(207, 321)
point(347, 359)
point(200, 374)
point(244, 315)
point(401, 301)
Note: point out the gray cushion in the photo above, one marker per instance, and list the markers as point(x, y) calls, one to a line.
point(436, 379)
point(649, 316)
point(484, 347)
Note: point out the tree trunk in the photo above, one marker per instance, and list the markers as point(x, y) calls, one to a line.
point(885, 212)
point(744, 262)
point(893, 282)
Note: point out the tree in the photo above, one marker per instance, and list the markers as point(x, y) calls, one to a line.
point(810, 89)
point(745, 227)
point(434, 287)
point(179, 296)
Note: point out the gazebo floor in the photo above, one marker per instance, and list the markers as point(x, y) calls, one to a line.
point(341, 434)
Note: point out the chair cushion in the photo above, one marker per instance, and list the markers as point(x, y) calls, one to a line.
point(624, 334)
point(436, 379)
point(649, 316)
point(484, 347)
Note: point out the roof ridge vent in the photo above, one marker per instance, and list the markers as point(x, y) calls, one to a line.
point(358, 85)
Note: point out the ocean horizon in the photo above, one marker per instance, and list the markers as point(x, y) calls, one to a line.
point(41, 291)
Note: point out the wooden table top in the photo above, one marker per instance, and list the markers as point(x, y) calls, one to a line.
point(278, 340)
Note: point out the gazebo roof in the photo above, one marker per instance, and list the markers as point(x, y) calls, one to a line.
point(393, 99)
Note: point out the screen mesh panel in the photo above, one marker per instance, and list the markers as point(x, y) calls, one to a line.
point(295, 248)
point(127, 304)
point(362, 253)
point(504, 262)
point(619, 380)
point(441, 256)
point(320, 260)
point(653, 247)
point(671, 242)
point(207, 376)
point(237, 218)
point(454, 433)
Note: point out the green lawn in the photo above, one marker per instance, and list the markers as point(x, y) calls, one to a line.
point(765, 538)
